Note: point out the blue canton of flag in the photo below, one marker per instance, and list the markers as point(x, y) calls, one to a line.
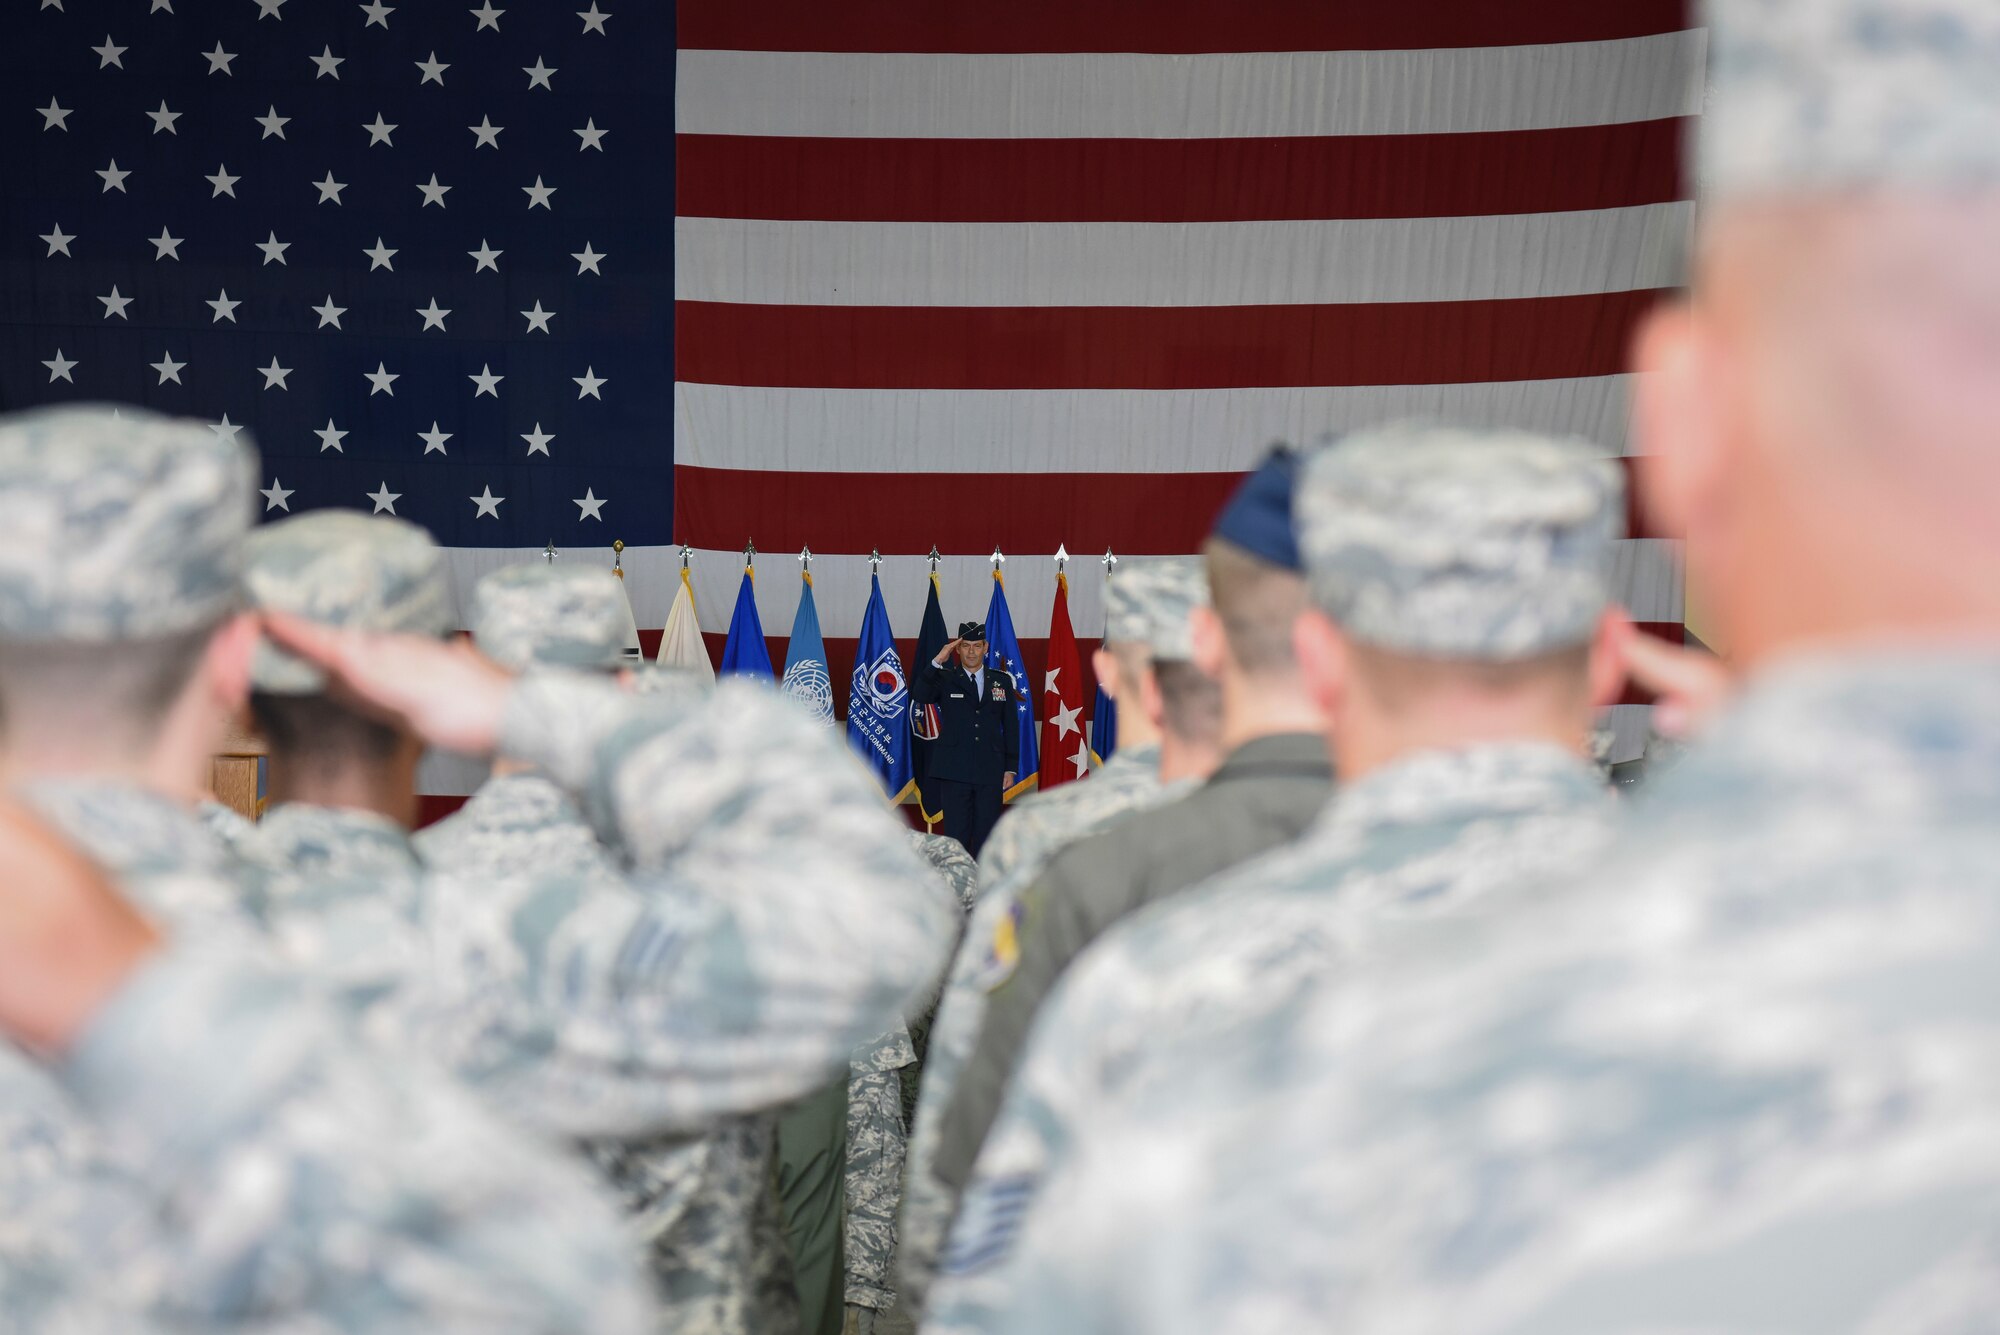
point(744, 653)
point(806, 678)
point(423, 254)
point(1003, 651)
point(880, 700)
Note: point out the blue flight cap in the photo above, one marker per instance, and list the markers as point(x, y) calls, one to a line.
point(1258, 518)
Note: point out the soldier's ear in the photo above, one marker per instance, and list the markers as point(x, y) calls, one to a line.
point(226, 664)
point(1152, 701)
point(1322, 656)
point(1211, 645)
point(1678, 424)
point(1104, 664)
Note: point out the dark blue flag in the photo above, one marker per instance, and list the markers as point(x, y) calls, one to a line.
point(879, 702)
point(422, 253)
point(931, 637)
point(1003, 651)
point(744, 653)
point(1103, 727)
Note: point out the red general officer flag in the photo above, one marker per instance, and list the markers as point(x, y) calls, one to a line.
point(1065, 750)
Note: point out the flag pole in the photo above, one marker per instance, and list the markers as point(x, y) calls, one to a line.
point(1104, 710)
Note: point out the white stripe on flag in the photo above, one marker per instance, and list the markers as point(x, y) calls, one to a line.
point(1179, 264)
point(1098, 430)
point(1224, 95)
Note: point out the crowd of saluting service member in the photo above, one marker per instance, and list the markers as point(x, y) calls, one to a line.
point(1348, 996)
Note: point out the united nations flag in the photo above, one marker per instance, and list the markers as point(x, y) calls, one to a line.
point(806, 679)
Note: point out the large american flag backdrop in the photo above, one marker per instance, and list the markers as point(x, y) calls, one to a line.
point(883, 274)
point(1056, 271)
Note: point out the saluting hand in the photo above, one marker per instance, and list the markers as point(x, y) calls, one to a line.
point(944, 654)
point(1688, 684)
point(446, 692)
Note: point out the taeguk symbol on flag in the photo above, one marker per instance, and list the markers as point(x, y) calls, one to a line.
point(880, 700)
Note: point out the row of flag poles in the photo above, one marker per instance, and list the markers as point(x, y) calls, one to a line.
point(880, 724)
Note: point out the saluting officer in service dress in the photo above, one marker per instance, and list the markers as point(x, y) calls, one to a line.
point(977, 752)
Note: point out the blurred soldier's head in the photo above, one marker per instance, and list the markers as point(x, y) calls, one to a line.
point(1146, 660)
point(557, 616)
point(1460, 589)
point(1244, 638)
point(1821, 415)
point(549, 615)
point(122, 648)
point(359, 572)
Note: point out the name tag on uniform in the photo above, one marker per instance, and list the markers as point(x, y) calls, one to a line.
point(958, 695)
point(999, 692)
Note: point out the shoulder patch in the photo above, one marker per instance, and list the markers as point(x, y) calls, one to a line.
point(1003, 949)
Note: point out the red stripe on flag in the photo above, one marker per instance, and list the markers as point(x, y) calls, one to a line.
point(1172, 26)
point(1155, 347)
point(1131, 513)
point(1179, 180)
point(434, 807)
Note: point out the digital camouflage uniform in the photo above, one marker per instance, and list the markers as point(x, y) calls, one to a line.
point(1184, 980)
point(702, 1201)
point(225, 823)
point(949, 859)
point(1149, 604)
point(645, 1009)
point(215, 1151)
point(1742, 1077)
point(702, 1206)
point(880, 1091)
point(1479, 547)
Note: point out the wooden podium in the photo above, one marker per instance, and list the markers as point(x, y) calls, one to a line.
point(233, 773)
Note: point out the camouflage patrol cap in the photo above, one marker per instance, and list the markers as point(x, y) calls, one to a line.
point(1151, 602)
point(1455, 543)
point(342, 568)
point(564, 616)
point(118, 527)
point(1813, 95)
point(680, 685)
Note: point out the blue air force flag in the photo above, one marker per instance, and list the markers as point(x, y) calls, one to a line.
point(1003, 651)
point(744, 653)
point(806, 679)
point(880, 700)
